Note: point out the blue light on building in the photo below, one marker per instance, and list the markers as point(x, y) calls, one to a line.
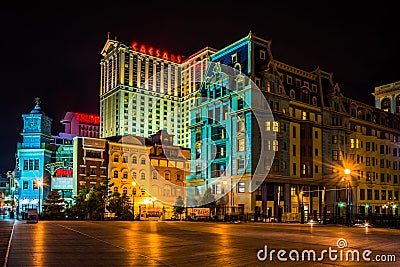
point(33, 153)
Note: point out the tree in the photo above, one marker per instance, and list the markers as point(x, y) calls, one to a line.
point(79, 209)
point(120, 205)
point(96, 200)
point(179, 207)
point(53, 205)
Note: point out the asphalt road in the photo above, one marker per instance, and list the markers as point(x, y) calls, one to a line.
point(114, 243)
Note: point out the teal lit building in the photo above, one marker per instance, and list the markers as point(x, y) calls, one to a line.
point(227, 130)
point(33, 153)
point(287, 164)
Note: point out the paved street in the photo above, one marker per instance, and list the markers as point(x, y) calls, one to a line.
point(76, 243)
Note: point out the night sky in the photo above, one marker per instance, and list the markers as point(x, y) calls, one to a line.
point(52, 49)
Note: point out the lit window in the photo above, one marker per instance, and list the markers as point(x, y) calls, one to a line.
point(276, 126)
point(303, 168)
point(241, 144)
point(293, 191)
point(143, 161)
point(241, 124)
point(268, 126)
point(275, 145)
point(241, 187)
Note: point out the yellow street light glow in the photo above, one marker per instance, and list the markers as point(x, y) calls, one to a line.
point(134, 183)
point(39, 182)
point(347, 171)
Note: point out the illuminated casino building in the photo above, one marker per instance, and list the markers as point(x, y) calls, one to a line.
point(145, 89)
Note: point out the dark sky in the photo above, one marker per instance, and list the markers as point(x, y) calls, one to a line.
point(52, 49)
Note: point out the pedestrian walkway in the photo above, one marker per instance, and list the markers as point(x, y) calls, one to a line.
point(6, 226)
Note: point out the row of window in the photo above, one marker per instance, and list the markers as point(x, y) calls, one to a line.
point(218, 189)
point(31, 164)
point(134, 160)
point(378, 194)
point(167, 175)
point(34, 185)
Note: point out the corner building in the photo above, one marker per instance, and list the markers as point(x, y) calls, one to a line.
point(319, 134)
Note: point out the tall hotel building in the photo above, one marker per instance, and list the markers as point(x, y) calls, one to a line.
point(144, 90)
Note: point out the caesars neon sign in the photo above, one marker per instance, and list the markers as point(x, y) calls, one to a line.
point(156, 52)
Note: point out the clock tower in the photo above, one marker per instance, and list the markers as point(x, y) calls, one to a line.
point(37, 127)
point(33, 153)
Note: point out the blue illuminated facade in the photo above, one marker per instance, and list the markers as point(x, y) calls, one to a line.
point(33, 153)
point(225, 153)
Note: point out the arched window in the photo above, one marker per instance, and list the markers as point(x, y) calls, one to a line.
point(134, 160)
point(353, 111)
point(115, 174)
point(134, 175)
point(167, 176)
point(143, 161)
point(305, 96)
point(314, 100)
point(125, 191)
point(292, 94)
point(385, 104)
point(143, 176)
point(360, 114)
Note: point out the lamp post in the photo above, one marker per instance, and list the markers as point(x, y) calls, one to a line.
point(347, 179)
point(302, 208)
point(39, 183)
point(133, 199)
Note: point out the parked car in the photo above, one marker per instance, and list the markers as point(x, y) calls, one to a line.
point(361, 223)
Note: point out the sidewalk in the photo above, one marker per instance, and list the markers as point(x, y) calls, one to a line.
point(6, 226)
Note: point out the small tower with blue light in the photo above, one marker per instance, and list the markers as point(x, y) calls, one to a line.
point(33, 153)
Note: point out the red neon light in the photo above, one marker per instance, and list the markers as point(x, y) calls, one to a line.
point(142, 49)
point(150, 51)
point(156, 52)
point(63, 173)
point(87, 118)
point(165, 55)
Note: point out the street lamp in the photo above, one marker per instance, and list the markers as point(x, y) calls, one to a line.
point(153, 199)
point(347, 179)
point(302, 208)
point(133, 199)
point(39, 183)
